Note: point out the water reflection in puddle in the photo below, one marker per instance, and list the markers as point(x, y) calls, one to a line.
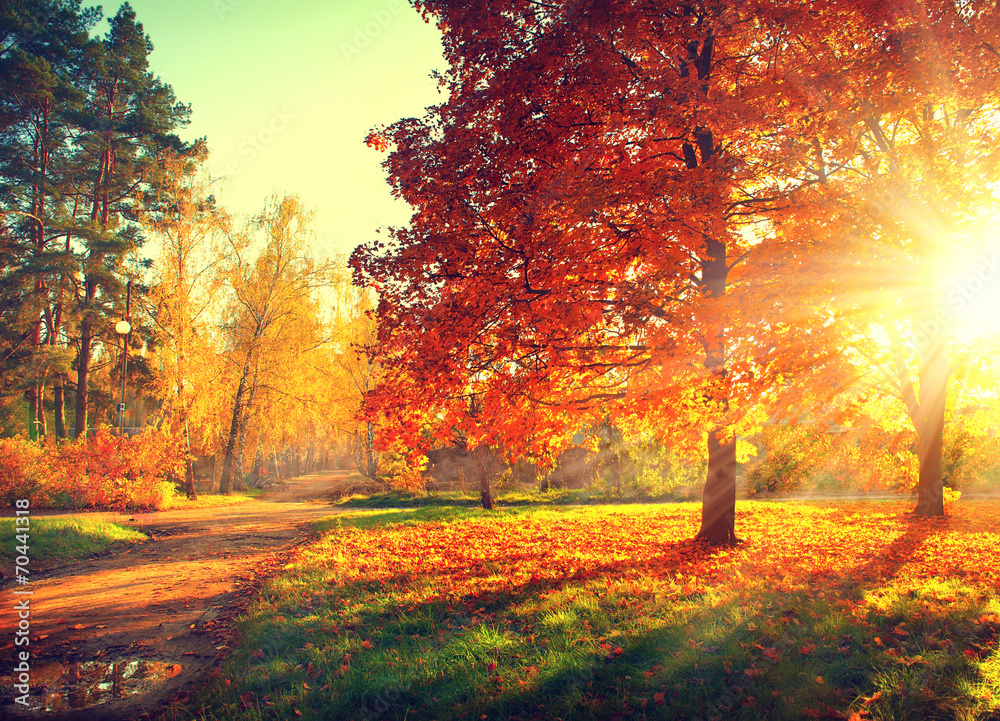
point(88, 683)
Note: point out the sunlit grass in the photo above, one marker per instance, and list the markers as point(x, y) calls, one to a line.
point(502, 499)
point(54, 540)
point(828, 610)
point(214, 500)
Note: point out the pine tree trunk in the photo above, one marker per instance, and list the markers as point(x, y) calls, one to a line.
point(83, 377)
point(31, 398)
point(43, 427)
point(59, 406)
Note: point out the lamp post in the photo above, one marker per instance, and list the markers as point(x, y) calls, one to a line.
point(123, 328)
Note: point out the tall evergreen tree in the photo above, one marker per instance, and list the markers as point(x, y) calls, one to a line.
point(129, 122)
point(42, 47)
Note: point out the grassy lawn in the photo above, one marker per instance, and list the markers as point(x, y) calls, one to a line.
point(827, 611)
point(506, 498)
point(210, 500)
point(53, 540)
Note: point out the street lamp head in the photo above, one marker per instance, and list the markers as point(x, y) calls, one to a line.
point(122, 327)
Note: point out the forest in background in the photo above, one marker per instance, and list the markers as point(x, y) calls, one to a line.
point(240, 340)
point(734, 274)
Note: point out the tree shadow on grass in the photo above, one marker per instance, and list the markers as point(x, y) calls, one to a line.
point(885, 566)
point(667, 672)
point(480, 629)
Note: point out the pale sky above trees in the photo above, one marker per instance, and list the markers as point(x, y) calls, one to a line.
point(285, 94)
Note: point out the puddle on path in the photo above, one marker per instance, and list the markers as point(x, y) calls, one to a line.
point(65, 686)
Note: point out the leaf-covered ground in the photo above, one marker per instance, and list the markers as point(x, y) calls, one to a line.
point(830, 610)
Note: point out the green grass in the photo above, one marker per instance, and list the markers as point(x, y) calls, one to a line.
point(55, 540)
point(653, 628)
point(212, 500)
point(502, 499)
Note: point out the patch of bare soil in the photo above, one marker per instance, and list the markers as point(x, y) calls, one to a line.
point(117, 637)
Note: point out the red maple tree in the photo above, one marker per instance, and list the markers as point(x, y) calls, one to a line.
point(608, 223)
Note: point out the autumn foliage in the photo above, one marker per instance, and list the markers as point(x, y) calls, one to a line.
point(104, 471)
point(840, 611)
point(690, 214)
point(476, 562)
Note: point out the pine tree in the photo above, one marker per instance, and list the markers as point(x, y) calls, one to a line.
point(40, 71)
point(127, 126)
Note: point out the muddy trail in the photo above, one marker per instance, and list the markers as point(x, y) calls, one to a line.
point(120, 636)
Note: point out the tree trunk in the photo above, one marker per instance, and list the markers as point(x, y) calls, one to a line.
point(240, 465)
point(370, 451)
point(257, 470)
point(59, 406)
point(83, 377)
point(718, 503)
point(43, 428)
point(31, 396)
point(487, 465)
point(226, 482)
point(718, 509)
point(189, 489)
point(929, 424)
point(485, 493)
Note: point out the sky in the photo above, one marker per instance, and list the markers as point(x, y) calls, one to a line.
point(285, 93)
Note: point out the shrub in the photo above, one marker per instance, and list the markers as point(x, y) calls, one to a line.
point(804, 457)
point(20, 469)
point(971, 461)
point(102, 471)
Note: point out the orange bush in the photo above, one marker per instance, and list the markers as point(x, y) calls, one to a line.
point(20, 469)
point(103, 471)
point(807, 458)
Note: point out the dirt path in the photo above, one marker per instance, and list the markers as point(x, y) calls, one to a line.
point(118, 636)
